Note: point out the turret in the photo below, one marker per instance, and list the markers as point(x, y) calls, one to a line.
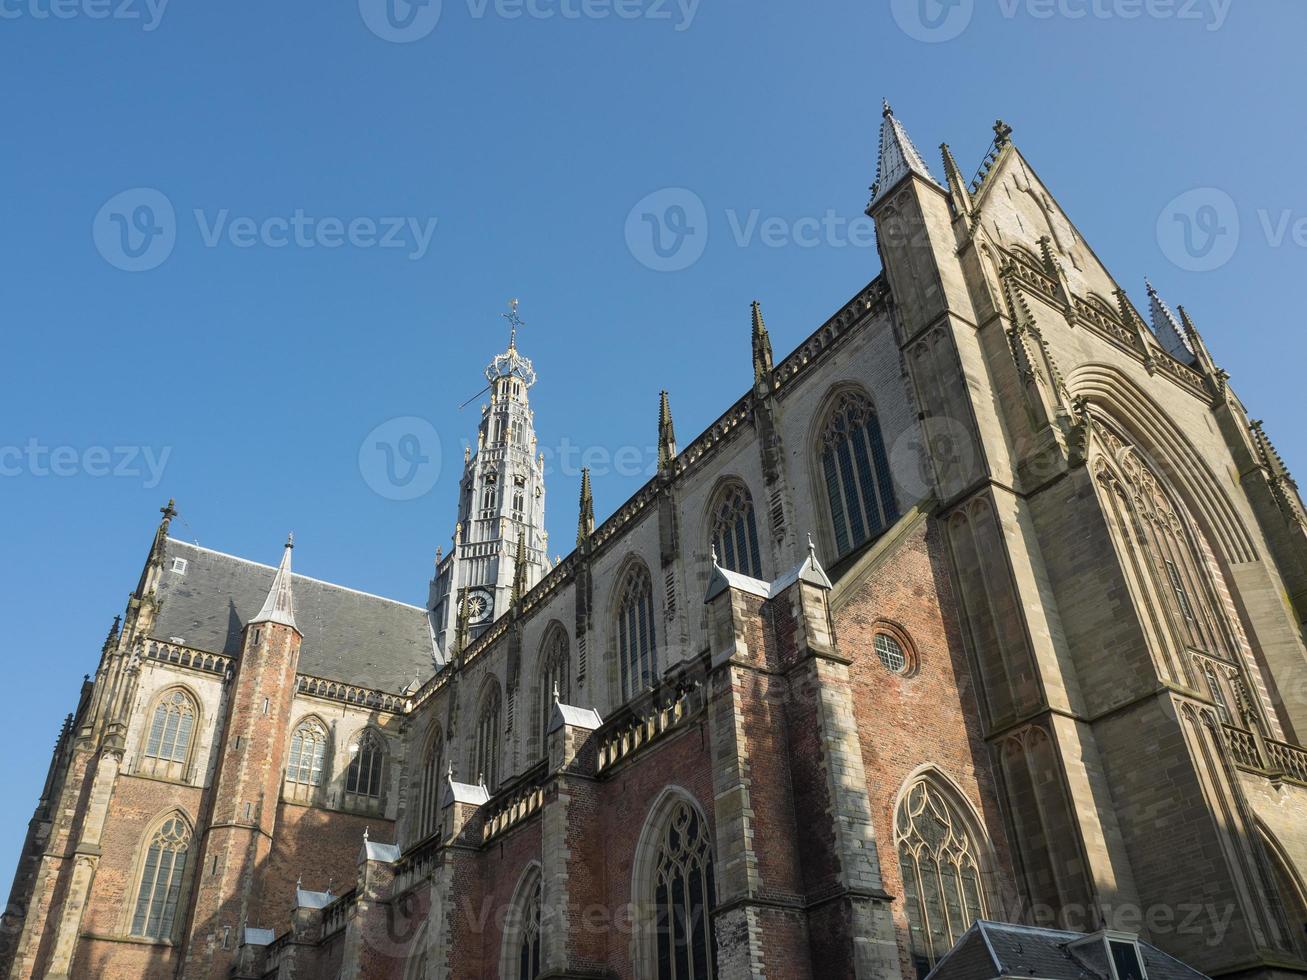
point(585, 522)
point(247, 783)
point(762, 356)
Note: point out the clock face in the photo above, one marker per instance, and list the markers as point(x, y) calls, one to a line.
point(480, 604)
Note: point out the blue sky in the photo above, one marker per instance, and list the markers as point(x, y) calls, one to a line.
point(255, 359)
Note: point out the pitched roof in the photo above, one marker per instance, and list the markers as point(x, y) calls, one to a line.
point(1000, 949)
point(898, 157)
point(348, 636)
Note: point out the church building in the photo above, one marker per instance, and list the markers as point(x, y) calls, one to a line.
point(969, 639)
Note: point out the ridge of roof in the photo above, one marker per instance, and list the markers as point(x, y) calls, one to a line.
point(296, 575)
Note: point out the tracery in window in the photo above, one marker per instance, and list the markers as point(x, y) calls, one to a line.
point(940, 863)
point(485, 763)
point(168, 743)
point(735, 531)
point(308, 750)
point(855, 472)
point(684, 894)
point(554, 663)
point(367, 757)
point(429, 804)
point(637, 647)
point(162, 873)
point(1166, 546)
point(528, 947)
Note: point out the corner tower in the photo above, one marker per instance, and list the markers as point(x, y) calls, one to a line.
point(501, 504)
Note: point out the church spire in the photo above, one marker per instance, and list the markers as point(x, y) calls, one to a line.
point(898, 158)
point(957, 184)
point(585, 522)
point(1167, 328)
point(279, 607)
point(762, 356)
point(666, 433)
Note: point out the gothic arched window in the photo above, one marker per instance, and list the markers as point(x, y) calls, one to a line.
point(308, 750)
point(939, 858)
point(735, 531)
point(429, 804)
point(1165, 550)
point(162, 873)
point(683, 896)
point(553, 676)
point(528, 947)
point(367, 761)
point(855, 473)
point(637, 648)
point(485, 764)
point(168, 743)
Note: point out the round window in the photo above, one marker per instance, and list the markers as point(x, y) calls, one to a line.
point(890, 652)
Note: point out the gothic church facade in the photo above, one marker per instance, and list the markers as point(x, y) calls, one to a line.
point(987, 602)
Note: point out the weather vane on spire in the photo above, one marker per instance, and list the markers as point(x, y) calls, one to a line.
point(515, 321)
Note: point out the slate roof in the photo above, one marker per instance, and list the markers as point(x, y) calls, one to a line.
point(349, 636)
point(990, 950)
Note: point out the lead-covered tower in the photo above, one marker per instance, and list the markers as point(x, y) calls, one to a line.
point(501, 509)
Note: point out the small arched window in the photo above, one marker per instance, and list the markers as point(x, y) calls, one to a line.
point(367, 763)
point(553, 676)
point(939, 859)
point(637, 648)
point(735, 531)
point(163, 870)
point(486, 761)
point(168, 743)
point(308, 751)
point(684, 893)
point(429, 805)
point(855, 473)
point(528, 947)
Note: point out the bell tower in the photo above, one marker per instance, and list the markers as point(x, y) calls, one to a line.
point(501, 506)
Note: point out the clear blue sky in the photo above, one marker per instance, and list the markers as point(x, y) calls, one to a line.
point(260, 370)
